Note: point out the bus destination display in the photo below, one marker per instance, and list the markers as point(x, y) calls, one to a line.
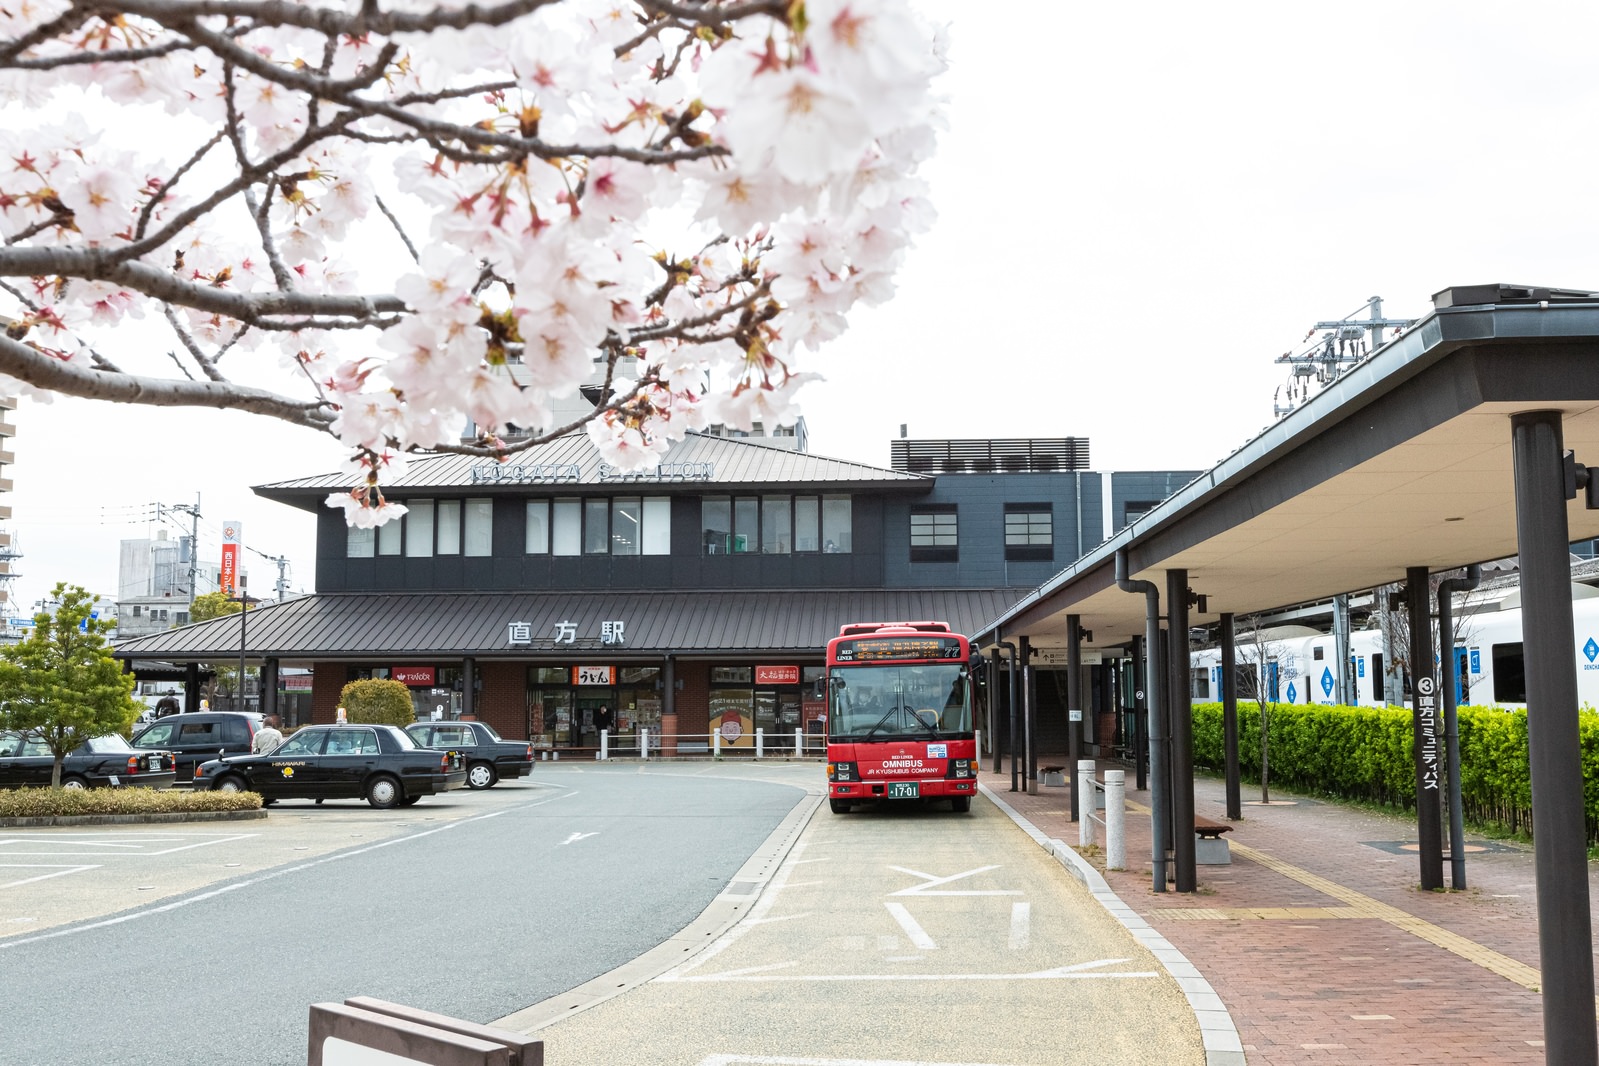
point(868, 649)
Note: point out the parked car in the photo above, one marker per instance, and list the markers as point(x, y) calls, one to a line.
point(378, 763)
point(195, 738)
point(489, 757)
point(99, 762)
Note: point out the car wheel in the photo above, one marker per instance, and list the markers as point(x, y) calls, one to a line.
point(229, 783)
point(384, 792)
point(960, 804)
point(481, 775)
point(839, 806)
point(77, 784)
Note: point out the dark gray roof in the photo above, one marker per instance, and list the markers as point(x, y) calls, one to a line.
point(685, 624)
point(698, 461)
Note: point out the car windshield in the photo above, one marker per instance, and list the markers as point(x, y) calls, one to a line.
point(929, 700)
point(306, 742)
point(106, 745)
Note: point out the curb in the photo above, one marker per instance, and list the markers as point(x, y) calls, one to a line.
point(1223, 1046)
point(148, 817)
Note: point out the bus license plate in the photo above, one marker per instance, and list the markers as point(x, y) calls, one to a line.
point(904, 790)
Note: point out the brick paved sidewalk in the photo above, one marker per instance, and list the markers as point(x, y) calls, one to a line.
point(1320, 942)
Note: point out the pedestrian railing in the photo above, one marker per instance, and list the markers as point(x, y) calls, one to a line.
point(1115, 789)
point(648, 744)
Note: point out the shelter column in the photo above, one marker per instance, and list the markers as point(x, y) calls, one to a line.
point(1424, 726)
point(1229, 715)
point(1182, 730)
point(469, 687)
point(1565, 947)
point(191, 687)
point(269, 686)
point(1074, 701)
point(668, 736)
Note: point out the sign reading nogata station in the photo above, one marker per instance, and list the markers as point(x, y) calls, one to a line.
point(571, 473)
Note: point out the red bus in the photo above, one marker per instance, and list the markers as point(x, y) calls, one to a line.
point(899, 715)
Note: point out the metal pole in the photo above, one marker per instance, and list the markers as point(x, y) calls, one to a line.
point(1565, 924)
point(1446, 641)
point(1074, 703)
point(244, 610)
point(1182, 730)
point(1139, 672)
point(1343, 689)
point(1229, 715)
point(1424, 720)
point(1157, 729)
point(1015, 766)
point(993, 707)
point(1029, 712)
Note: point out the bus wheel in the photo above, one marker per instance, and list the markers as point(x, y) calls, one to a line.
point(960, 804)
point(839, 806)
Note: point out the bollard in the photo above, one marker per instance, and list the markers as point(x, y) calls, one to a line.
point(1085, 791)
point(605, 745)
point(1115, 807)
point(716, 743)
point(799, 743)
point(760, 743)
point(644, 743)
point(556, 755)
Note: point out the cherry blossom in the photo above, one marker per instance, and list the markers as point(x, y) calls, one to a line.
point(384, 220)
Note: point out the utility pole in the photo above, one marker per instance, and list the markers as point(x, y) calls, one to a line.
point(282, 586)
point(194, 538)
point(1347, 341)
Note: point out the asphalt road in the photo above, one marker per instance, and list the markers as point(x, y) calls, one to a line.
point(207, 943)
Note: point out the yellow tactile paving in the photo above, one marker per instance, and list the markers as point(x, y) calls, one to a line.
point(1359, 905)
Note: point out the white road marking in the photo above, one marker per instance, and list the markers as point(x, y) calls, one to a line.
point(1083, 971)
point(784, 1060)
point(933, 881)
point(1020, 925)
point(60, 871)
point(576, 837)
point(110, 847)
point(917, 934)
point(271, 875)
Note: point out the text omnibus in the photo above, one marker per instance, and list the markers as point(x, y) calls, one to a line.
point(899, 715)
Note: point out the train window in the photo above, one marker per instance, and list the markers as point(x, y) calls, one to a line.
point(1510, 674)
point(1315, 653)
point(1378, 696)
point(1200, 683)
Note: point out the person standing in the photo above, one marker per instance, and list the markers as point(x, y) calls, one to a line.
point(268, 737)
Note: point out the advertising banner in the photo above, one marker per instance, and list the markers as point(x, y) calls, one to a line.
point(414, 675)
point(232, 532)
point(777, 675)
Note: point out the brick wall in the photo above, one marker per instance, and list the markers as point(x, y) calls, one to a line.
point(502, 700)
point(694, 699)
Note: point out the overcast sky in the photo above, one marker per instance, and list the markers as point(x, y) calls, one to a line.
point(1140, 208)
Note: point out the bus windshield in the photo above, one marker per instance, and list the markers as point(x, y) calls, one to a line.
point(883, 702)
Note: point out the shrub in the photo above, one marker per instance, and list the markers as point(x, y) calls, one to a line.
point(379, 701)
point(45, 802)
point(1367, 754)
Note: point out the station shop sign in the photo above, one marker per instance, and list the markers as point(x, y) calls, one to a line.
point(777, 675)
point(593, 675)
point(415, 676)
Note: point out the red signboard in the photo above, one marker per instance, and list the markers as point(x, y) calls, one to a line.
point(777, 675)
point(229, 578)
point(414, 675)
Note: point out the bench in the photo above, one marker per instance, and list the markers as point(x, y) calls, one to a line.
point(1052, 775)
point(1210, 849)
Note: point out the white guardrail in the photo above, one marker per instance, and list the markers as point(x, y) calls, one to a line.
point(1115, 789)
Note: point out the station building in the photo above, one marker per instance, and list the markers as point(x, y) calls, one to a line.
point(554, 594)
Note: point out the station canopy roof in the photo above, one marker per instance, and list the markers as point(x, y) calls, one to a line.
point(1403, 461)
point(687, 625)
point(572, 462)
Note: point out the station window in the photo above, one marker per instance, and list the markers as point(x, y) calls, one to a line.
point(600, 525)
point(448, 527)
point(775, 524)
point(1029, 531)
point(478, 527)
point(935, 536)
point(419, 528)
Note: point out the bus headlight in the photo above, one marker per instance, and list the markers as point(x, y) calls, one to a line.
point(961, 768)
point(842, 771)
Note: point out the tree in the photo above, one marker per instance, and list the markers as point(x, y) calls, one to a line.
point(209, 605)
point(378, 220)
point(61, 683)
point(378, 700)
point(1265, 665)
point(224, 677)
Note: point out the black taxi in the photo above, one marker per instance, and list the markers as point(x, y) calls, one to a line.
point(377, 763)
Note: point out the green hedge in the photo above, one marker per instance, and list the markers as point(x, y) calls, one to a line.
point(42, 802)
point(1365, 753)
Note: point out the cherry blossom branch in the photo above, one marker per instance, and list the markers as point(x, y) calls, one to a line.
point(44, 371)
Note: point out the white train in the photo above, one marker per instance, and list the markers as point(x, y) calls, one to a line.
point(1488, 659)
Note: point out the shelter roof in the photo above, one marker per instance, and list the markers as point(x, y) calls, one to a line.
point(1403, 461)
